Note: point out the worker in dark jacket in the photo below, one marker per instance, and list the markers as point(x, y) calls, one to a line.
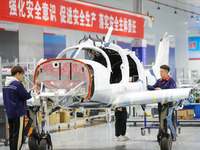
point(14, 97)
point(166, 82)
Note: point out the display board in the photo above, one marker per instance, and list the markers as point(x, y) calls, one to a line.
point(194, 48)
point(53, 45)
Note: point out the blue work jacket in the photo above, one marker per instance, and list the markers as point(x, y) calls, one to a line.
point(168, 83)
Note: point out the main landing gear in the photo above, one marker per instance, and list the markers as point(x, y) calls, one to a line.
point(167, 118)
point(40, 140)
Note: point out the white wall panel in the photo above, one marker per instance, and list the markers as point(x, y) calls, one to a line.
point(30, 42)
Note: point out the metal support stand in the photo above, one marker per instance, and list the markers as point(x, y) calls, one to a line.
point(108, 115)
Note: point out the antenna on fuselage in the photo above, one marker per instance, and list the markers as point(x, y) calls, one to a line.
point(108, 34)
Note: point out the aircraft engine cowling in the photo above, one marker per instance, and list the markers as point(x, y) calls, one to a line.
point(70, 78)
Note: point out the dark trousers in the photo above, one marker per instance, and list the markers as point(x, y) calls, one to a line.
point(16, 127)
point(120, 123)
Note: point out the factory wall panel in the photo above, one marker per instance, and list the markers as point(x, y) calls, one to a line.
point(9, 47)
point(30, 42)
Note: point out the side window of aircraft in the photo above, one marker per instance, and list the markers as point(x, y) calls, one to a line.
point(96, 56)
point(116, 61)
point(133, 71)
point(116, 75)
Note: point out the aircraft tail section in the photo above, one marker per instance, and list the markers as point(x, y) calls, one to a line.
point(162, 55)
point(161, 59)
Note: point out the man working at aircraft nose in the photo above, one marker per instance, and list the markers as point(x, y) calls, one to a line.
point(166, 82)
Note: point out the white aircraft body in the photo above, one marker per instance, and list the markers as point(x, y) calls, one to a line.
point(109, 77)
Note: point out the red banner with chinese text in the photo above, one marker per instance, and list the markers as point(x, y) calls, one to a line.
point(72, 15)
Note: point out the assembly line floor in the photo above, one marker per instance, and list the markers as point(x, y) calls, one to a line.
point(101, 136)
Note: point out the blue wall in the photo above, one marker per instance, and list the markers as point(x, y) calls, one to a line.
point(53, 45)
point(145, 54)
point(124, 45)
point(150, 54)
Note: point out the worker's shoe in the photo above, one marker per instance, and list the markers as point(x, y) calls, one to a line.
point(173, 139)
point(126, 137)
point(121, 138)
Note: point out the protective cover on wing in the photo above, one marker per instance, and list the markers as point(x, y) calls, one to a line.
point(150, 97)
point(66, 74)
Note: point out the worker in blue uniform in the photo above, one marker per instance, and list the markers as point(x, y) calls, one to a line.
point(14, 97)
point(166, 82)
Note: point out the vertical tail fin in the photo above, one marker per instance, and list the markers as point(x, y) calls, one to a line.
point(162, 55)
point(108, 34)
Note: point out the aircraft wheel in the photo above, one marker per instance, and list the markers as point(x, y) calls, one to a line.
point(84, 125)
point(75, 126)
point(45, 146)
point(68, 125)
point(142, 132)
point(149, 131)
point(33, 142)
point(6, 142)
point(166, 143)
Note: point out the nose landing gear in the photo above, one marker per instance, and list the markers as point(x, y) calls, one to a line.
point(166, 142)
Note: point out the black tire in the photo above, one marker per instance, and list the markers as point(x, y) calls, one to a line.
point(33, 142)
point(143, 132)
point(149, 131)
point(44, 145)
point(6, 142)
point(166, 143)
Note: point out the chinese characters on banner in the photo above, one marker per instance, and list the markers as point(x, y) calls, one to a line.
point(194, 48)
point(72, 15)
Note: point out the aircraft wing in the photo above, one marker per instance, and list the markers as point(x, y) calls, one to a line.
point(150, 97)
